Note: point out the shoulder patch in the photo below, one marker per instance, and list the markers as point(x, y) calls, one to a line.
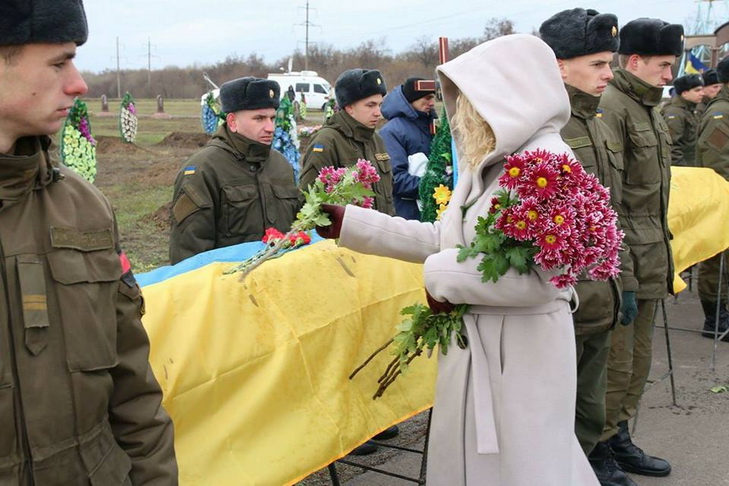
point(671, 117)
point(717, 115)
point(189, 170)
point(718, 139)
point(382, 157)
point(319, 147)
point(599, 112)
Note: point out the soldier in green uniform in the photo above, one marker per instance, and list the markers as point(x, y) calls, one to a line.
point(79, 404)
point(237, 185)
point(713, 151)
point(584, 42)
point(682, 118)
point(712, 86)
point(349, 134)
point(648, 50)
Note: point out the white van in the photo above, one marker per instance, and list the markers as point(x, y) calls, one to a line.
point(315, 88)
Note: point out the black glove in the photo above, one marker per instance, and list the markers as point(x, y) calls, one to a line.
point(438, 307)
point(336, 216)
point(629, 308)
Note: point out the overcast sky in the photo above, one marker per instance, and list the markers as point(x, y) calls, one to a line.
point(188, 32)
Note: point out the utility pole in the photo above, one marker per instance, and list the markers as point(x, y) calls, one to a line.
point(306, 25)
point(118, 71)
point(149, 67)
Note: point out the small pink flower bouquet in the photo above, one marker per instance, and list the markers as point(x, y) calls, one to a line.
point(346, 185)
point(551, 213)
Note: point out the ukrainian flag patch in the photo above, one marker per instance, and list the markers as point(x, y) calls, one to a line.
point(718, 115)
point(189, 170)
point(598, 113)
point(318, 148)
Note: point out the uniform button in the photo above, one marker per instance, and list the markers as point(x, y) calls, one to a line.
point(253, 168)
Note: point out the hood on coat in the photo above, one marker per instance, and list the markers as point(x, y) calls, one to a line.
point(395, 104)
point(515, 85)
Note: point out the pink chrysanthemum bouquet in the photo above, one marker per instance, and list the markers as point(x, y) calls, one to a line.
point(551, 213)
point(346, 185)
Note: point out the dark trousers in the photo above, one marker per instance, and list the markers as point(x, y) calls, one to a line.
point(592, 356)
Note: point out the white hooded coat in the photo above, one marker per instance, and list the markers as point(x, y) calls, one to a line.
point(505, 406)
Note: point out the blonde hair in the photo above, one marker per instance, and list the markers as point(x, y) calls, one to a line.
point(476, 138)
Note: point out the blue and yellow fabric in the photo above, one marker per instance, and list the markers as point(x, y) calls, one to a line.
point(255, 374)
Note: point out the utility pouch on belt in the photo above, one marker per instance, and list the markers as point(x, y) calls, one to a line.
point(35, 307)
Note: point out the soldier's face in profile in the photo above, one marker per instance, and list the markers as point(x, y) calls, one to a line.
point(590, 73)
point(693, 95)
point(712, 90)
point(37, 89)
point(256, 125)
point(366, 111)
point(654, 70)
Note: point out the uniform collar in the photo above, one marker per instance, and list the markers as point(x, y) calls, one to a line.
point(27, 169)
point(722, 95)
point(679, 101)
point(583, 105)
point(351, 127)
point(636, 88)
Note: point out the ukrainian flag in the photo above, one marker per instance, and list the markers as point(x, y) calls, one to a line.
point(694, 65)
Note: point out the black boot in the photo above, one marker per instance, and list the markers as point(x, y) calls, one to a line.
point(631, 458)
point(606, 469)
point(710, 320)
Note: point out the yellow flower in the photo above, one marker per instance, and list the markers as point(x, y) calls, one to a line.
point(442, 194)
point(439, 212)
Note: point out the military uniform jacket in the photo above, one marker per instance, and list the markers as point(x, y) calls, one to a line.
point(339, 143)
point(600, 154)
point(683, 120)
point(79, 404)
point(228, 193)
point(713, 145)
point(629, 109)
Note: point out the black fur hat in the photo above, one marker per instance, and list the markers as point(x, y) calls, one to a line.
point(42, 21)
point(355, 84)
point(412, 89)
point(651, 37)
point(722, 69)
point(249, 93)
point(710, 77)
point(687, 82)
point(579, 32)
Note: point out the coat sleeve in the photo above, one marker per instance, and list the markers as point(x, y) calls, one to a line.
point(460, 283)
point(375, 233)
point(140, 425)
point(193, 217)
point(319, 154)
point(713, 143)
point(405, 185)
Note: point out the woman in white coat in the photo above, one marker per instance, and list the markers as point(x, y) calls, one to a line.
point(504, 406)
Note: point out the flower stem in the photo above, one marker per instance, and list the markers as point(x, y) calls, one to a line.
point(378, 351)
